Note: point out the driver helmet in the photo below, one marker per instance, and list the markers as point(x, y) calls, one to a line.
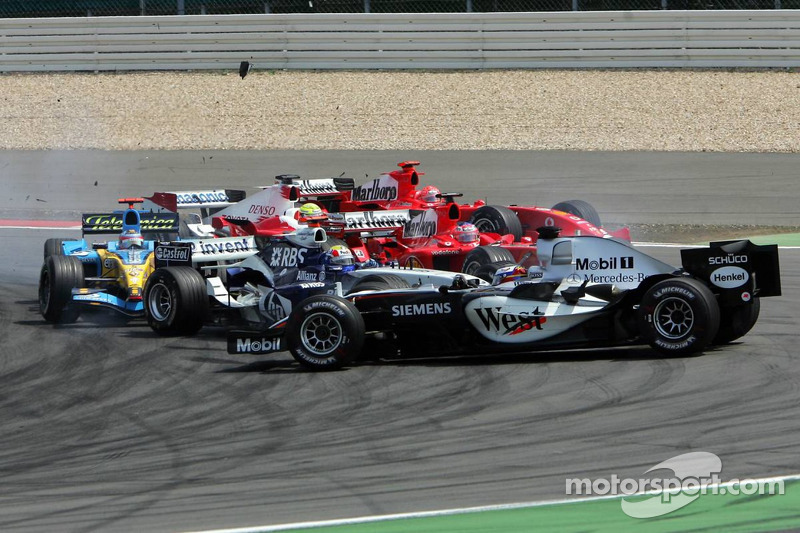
point(311, 214)
point(466, 232)
point(340, 258)
point(509, 273)
point(130, 238)
point(428, 195)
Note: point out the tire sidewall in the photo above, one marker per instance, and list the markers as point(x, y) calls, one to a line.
point(703, 326)
point(157, 281)
point(349, 321)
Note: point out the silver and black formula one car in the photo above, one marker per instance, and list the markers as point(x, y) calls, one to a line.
point(585, 292)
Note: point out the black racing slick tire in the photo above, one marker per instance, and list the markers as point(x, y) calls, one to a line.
point(378, 282)
point(487, 272)
point(497, 219)
point(60, 274)
point(53, 247)
point(735, 322)
point(580, 208)
point(484, 255)
point(175, 301)
point(679, 316)
point(325, 333)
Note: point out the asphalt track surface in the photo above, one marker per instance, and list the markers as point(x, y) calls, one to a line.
point(107, 427)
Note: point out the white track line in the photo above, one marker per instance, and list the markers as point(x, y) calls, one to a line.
point(465, 510)
point(60, 228)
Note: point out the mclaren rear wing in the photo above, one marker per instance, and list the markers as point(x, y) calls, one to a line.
point(736, 270)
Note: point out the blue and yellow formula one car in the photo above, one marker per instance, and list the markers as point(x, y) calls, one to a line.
point(107, 274)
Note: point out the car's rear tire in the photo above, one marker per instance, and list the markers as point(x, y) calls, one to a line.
point(325, 333)
point(497, 219)
point(60, 274)
point(53, 247)
point(580, 208)
point(679, 316)
point(377, 282)
point(487, 272)
point(175, 301)
point(484, 255)
point(735, 322)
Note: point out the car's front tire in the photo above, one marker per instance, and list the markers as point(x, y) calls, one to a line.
point(484, 255)
point(580, 208)
point(497, 219)
point(325, 333)
point(175, 301)
point(59, 275)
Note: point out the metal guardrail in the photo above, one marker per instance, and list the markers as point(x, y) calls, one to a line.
point(400, 41)
point(126, 8)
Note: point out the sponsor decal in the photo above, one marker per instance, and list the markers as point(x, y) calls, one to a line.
point(170, 253)
point(315, 285)
point(536, 275)
point(509, 324)
point(302, 275)
point(730, 259)
point(112, 222)
point(359, 253)
point(108, 263)
point(258, 345)
point(274, 307)
point(674, 290)
point(324, 305)
point(746, 296)
point(263, 210)
point(423, 224)
point(610, 263)
point(321, 186)
point(615, 278)
point(421, 309)
point(372, 219)
point(445, 252)
point(218, 246)
point(202, 197)
point(728, 277)
point(287, 256)
point(675, 346)
point(382, 188)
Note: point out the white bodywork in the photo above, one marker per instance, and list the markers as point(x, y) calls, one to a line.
point(507, 320)
point(594, 259)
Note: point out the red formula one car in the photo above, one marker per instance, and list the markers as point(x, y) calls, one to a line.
point(425, 228)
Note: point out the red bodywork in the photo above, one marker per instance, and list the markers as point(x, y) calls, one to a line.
point(398, 190)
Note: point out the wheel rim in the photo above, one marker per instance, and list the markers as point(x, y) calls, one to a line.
point(485, 225)
point(320, 334)
point(674, 318)
point(159, 302)
point(471, 267)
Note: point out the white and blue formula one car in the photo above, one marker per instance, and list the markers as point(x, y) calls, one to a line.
point(233, 282)
point(585, 292)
